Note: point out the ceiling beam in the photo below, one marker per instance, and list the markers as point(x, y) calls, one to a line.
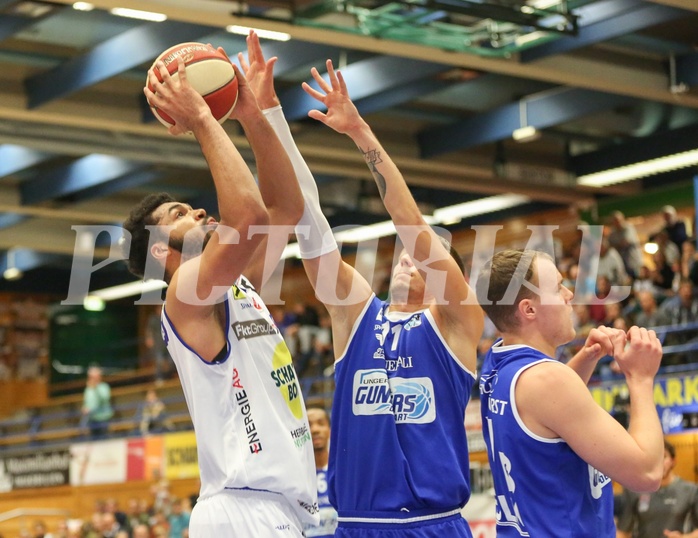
point(14, 158)
point(25, 259)
point(687, 69)
point(638, 18)
point(116, 55)
point(548, 109)
point(7, 220)
point(582, 72)
point(85, 173)
point(691, 5)
point(650, 147)
point(12, 24)
point(365, 79)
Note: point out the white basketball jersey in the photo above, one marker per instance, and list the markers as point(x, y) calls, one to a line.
point(247, 409)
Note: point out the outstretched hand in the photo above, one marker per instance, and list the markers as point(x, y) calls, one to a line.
point(176, 97)
point(259, 73)
point(341, 115)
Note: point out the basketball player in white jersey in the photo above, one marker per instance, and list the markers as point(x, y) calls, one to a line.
point(254, 448)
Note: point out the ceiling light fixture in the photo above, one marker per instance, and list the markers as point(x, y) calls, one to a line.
point(526, 132)
point(138, 287)
point(639, 170)
point(455, 213)
point(264, 34)
point(83, 6)
point(93, 304)
point(138, 14)
point(12, 272)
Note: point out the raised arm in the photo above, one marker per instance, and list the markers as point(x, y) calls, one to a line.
point(331, 278)
point(459, 316)
point(277, 181)
point(205, 278)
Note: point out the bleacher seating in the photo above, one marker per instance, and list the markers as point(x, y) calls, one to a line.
point(59, 420)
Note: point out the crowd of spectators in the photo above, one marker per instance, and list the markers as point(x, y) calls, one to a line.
point(650, 285)
point(157, 515)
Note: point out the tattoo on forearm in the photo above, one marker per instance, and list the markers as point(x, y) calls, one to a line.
point(373, 158)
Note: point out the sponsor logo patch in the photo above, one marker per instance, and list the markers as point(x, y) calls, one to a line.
point(410, 400)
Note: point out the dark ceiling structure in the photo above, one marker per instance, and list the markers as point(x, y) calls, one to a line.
point(444, 83)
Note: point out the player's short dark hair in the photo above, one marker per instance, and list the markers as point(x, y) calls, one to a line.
point(320, 408)
point(140, 217)
point(670, 449)
point(454, 254)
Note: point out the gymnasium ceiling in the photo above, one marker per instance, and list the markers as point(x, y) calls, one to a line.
point(444, 83)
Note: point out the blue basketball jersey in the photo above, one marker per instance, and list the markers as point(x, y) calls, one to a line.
point(542, 487)
point(328, 515)
point(398, 447)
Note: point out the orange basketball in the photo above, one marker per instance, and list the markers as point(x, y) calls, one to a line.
point(209, 72)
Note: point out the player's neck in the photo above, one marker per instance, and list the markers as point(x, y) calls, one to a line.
point(531, 338)
point(321, 458)
point(668, 479)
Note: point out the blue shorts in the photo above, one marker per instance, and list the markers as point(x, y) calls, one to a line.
point(448, 527)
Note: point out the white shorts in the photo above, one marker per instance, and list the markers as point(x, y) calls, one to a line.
point(236, 513)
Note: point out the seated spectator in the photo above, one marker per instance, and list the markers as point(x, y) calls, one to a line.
point(597, 306)
point(178, 519)
point(689, 259)
point(644, 282)
point(681, 310)
point(671, 251)
point(649, 315)
point(623, 237)
point(141, 531)
point(611, 265)
point(663, 273)
point(613, 315)
point(153, 417)
point(674, 226)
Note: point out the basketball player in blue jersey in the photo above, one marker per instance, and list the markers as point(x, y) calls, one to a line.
point(320, 430)
point(255, 454)
point(553, 451)
point(404, 371)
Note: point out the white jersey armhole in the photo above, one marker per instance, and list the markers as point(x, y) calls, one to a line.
point(515, 409)
point(174, 332)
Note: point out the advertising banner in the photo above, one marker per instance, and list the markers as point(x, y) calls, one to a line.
point(676, 399)
point(181, 459)
point(101, 462)
point(35, 470)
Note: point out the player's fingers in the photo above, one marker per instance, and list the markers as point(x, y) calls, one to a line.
point(333, 76)
point(321, 81)
point(164, 73)
point(243, 62)
point(313, 92)
point(342, 83)
point(222, 51)
point(271, 62)
point(317, 115)
point(242, 81)
point(181, 70)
